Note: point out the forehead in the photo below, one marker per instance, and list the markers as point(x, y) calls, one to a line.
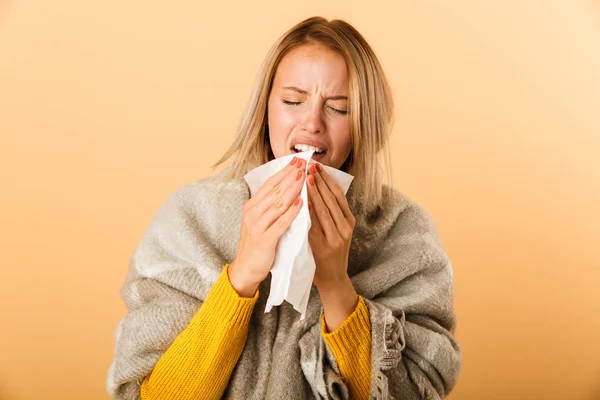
point(313, 65)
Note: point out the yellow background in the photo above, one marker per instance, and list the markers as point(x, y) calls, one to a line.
point(108, 106)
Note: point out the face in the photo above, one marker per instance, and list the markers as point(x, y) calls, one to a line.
point(308, 105)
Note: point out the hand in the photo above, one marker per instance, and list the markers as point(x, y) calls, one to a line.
point(331, 231)
point(265, 217)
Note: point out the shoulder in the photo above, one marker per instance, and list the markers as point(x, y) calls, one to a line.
point(399, 222)
point(398, 211)
point(207, 193)
point(196, 221)
point(415, 232)
point(209, 206)
point(400, 240)
point(407, 213)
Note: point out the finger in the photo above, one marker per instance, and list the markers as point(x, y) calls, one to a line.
point(316, 230)
point(321, 211)
point(272, 189)
point(330, 200)
point(278, 204)
point(337, 191)
point(277, 179)
point(284, 221)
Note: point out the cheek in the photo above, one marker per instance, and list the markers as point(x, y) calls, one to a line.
point(342, 137)
point(282, 120)
point(281, 124)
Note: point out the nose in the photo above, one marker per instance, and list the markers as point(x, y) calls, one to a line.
point(312, 121)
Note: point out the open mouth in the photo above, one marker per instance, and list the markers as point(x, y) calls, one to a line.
point(315, 156)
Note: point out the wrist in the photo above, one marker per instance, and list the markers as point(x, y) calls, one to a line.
point(339, 301)
point(342, 283)
point(244, 286)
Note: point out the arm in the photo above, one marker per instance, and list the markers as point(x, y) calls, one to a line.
point(407, 288)
point(174, 268)
point(200, 360)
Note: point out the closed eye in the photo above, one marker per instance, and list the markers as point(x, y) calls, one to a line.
point(339, 111)
point(295, 103)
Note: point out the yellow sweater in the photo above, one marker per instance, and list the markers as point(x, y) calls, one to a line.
point(199, 362)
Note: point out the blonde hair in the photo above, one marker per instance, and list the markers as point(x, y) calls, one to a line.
point(370, 106)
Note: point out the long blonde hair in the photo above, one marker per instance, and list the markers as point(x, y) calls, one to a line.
point(370, 105)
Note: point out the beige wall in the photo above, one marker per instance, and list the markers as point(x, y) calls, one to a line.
point(108, 106)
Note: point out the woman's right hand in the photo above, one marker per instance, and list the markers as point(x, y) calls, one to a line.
point(265, 217)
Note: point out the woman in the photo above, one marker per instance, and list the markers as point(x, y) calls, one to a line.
point(379, 321)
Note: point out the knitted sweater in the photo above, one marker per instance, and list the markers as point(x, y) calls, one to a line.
point(397, 264)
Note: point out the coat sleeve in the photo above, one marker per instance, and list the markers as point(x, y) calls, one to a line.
point(409, 293)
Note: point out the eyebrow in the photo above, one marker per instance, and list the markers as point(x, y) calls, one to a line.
point(295, 89)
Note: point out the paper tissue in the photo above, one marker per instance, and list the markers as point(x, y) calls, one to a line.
point(294, 266)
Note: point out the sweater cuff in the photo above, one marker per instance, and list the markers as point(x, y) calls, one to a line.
point(226, 302)
point(353, 332)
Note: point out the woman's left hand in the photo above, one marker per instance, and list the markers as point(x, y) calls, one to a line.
point(331, 230)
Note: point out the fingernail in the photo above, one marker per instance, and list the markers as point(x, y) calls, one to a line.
point(296, 201)
point(319, 168)
point(293, 160)
point(309, 205)
point(312, 169)
point(300, 162)
point(311, 180)
point(299, 175)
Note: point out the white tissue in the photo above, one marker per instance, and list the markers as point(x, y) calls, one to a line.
point(294, 266)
